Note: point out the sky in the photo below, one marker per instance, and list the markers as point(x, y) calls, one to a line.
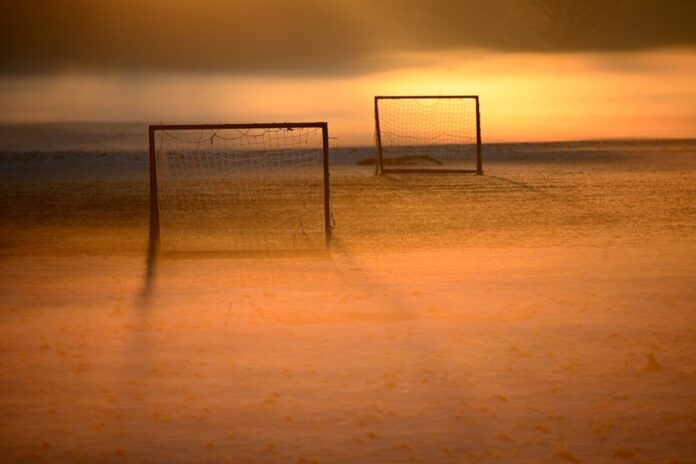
point(544, 69)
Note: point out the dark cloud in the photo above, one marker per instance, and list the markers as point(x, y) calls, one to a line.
point(316, 36)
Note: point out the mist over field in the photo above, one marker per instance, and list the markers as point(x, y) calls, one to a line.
point(542, 312)
point(525, 97)
point(316, 269)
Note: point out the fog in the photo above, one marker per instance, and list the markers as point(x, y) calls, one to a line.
point(530, 96)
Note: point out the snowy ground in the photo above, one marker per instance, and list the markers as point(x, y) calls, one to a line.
point(544, 312)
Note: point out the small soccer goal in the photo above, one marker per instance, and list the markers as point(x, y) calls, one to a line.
point(239, 189)
point(417, 134)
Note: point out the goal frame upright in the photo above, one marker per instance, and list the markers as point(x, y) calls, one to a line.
point(155, 231)
point(379, 153)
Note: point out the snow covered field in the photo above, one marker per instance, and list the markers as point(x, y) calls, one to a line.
point(544, 312)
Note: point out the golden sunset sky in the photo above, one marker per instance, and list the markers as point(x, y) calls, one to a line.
point(545, 69)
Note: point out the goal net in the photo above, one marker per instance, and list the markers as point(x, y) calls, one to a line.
point(240, 189)
point(427, 134)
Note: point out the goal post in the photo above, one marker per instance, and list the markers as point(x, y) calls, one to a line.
point(428, 134)
point(239, 189)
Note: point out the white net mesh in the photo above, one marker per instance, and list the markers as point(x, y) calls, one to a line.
point(428, 133)
point(240, 189)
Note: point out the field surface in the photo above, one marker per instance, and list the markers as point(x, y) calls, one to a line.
point(543, 312)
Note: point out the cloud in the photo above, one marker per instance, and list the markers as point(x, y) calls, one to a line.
point(316, 37)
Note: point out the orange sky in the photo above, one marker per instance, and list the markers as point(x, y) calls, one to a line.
point(545, 69)
point(523, 96)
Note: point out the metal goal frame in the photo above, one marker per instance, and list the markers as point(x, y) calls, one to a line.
point(379, 159)
point(154, 235)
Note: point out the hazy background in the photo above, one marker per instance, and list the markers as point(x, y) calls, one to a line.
point(545, 69)
point(543, 312)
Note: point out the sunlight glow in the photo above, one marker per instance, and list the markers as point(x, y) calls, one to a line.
point(523, 96)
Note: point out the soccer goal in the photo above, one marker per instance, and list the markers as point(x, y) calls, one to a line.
point(416, 134)
point(239, 189)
